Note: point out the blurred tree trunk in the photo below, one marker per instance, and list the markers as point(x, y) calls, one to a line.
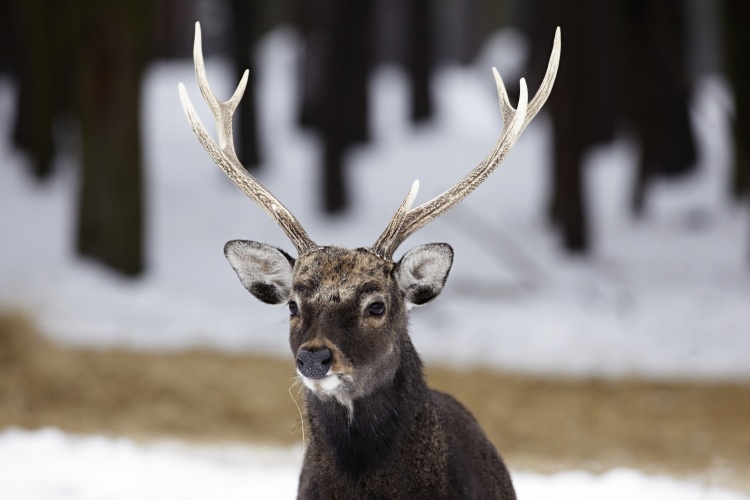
point(9, 37)
point(309, 18)
point(625, 62)
point(112, 51)
point(346, 109)
point(658, 91)
point(736, 20)
point(420, 59)
point(336, 67)
point(43, 73)
point(174, 28)
point(244, 27)
point(583, 104)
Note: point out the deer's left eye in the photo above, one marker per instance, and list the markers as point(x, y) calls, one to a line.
point(293, 309)
point(376, 308)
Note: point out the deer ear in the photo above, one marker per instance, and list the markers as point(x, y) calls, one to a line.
point(264, 270)
point(422, 272)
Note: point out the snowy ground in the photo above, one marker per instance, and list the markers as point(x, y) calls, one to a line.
point(48, 464)
point(664, 298)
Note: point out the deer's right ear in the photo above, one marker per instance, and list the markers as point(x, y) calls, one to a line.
point(422, 272)
point(264, 270)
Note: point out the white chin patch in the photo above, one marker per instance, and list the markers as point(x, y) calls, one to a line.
point(331, 386)
point(326, 385)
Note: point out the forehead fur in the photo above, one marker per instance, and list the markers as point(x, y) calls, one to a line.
point(339, 272)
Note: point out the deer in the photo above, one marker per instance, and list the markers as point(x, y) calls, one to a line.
point(376, 430)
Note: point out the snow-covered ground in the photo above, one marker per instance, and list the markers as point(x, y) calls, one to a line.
point(667, 297)
point(48, 464)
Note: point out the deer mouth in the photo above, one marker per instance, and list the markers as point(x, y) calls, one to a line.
point(332, 387)
point(328, 385)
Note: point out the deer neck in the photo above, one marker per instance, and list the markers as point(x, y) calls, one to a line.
point(367, 436)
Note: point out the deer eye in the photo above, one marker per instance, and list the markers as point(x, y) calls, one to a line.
point(293, 309)
point(376, 308)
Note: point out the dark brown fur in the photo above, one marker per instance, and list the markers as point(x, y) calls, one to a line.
point(399, 439)
point(376, 430)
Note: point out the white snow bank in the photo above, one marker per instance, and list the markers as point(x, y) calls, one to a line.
point(48, 465)
point(665, 297)
point(51, 465)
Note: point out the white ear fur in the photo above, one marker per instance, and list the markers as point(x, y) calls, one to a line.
point(422, 272)
point(265, 271)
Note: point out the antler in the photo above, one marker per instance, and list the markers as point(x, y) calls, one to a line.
point(224, 155)
point(405, 221)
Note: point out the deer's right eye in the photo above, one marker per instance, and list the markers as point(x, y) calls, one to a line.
point(293, 309)
point(376, 308)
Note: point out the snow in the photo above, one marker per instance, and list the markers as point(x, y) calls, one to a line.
point(48, 464)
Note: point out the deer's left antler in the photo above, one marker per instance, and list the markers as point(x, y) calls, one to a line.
point(406, 221)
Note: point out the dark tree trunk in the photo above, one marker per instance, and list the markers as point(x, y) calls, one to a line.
point(43, 73)
point(736, 19)
point(658, 91)
point(582, 104)
point(420, 57)
point(346, 109)
point(309, 18)
point(624, 61)
point(172, 36)
point(338, 57)
point(347, 103)
point(10, 39)
point(244, 28)
point(113, 39)
point(570, 208)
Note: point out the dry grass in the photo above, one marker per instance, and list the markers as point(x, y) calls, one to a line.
point(683, 428)
point(540, 424)
point(195, 394)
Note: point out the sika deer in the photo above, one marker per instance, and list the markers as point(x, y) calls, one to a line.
point(376, 429)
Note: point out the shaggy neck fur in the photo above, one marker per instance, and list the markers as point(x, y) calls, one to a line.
point(379, 419)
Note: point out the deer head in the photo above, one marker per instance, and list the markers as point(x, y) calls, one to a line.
point(348, 308)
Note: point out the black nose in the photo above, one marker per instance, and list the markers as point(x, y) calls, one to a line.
point(314, 364)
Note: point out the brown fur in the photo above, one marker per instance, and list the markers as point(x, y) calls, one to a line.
point(377, 430)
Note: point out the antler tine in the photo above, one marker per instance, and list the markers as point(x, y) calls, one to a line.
point(541, 95)
point(224, 154)
point(382, 246)
point(514, 122)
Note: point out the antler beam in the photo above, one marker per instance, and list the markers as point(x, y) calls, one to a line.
point(224, 154)
point(515, 121)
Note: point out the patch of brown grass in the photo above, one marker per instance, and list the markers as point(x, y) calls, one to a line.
point(195, 394)
point(543, 424)
point(682, 428)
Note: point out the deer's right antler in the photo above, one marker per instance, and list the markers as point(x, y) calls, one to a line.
point(406, 221)
point(224, 155)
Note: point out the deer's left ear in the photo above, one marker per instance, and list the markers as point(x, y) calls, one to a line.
point(422, 272)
